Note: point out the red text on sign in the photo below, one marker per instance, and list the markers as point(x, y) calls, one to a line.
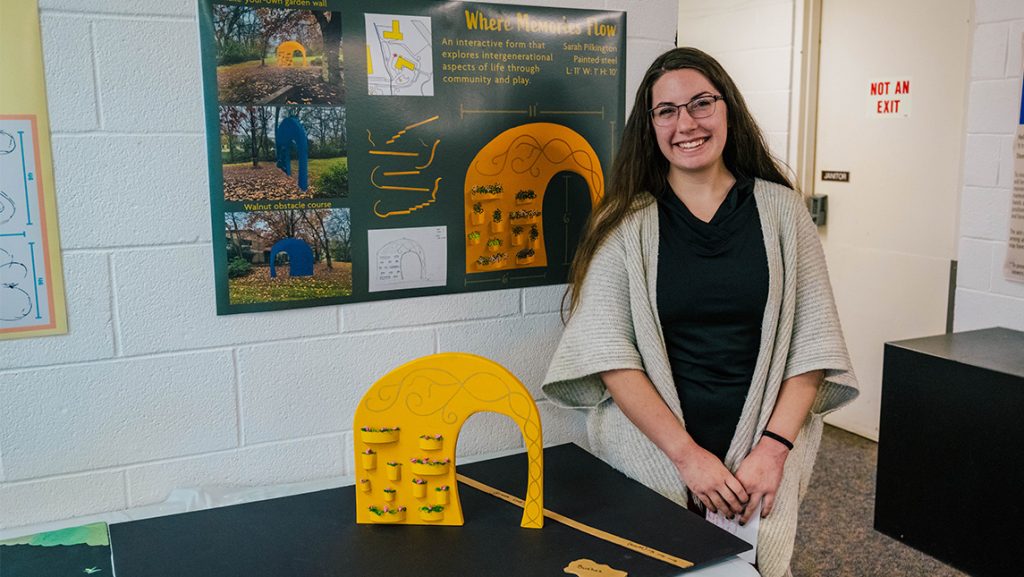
point(882, 88)
point(888, 106)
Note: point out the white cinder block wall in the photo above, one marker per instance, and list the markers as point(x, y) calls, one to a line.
point(753, 40)
point(151, 390)
point(984, 298)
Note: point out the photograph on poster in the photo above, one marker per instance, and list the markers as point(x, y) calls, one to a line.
point(505, 191)
point(278, 56)
point(283, 152)
point(288, 255)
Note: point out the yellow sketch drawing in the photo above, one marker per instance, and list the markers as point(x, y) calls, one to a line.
point(409, 421)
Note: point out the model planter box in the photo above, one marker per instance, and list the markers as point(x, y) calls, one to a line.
point(485, 192)
point(431, 443)
point(369, 459)
point(525, 256)
point(394, 471)
point(525, 196)
point(379, 436)
point(441, 495)
point(428, 467)
point(435, 513)
point(387, 515)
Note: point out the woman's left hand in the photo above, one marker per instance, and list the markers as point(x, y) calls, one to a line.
point(761, 474)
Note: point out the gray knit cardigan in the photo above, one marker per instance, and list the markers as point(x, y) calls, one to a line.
point(616, 326)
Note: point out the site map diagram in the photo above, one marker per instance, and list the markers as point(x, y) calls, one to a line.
point(399, 55)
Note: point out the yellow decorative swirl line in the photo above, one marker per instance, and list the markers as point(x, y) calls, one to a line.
point(535, 152)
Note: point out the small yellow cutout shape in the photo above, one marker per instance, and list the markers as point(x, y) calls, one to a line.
point(433, 397)
point(588, 568)
point(419, 488)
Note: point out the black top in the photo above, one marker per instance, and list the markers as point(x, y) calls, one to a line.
point(316, 533)
point(712, 290)
point(997, 349)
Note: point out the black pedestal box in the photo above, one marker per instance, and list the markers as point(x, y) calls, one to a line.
point(951, 448)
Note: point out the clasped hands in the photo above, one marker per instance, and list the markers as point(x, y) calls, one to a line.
point(757, 479)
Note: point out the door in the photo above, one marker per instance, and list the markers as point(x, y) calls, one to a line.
point(891, 104)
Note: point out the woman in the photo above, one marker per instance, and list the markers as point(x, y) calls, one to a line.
point(702, 334)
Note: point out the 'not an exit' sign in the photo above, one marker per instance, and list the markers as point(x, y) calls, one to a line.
point(889, 97)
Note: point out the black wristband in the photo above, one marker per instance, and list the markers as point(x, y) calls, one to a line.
point(779, 438)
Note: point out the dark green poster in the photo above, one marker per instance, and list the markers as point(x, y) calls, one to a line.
point(420, 148)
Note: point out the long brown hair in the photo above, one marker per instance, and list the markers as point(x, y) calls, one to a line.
point(640, 168)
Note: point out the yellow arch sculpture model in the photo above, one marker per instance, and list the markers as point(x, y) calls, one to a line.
point(406, 428)
point(286, 53)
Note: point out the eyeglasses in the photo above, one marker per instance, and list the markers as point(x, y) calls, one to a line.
point(700, 107)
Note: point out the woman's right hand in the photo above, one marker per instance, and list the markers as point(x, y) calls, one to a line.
point(703, 473)
point(710, 482)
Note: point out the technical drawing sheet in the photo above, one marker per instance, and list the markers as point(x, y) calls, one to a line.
point(31, 284)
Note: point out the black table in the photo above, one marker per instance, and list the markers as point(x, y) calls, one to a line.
point(314, 534)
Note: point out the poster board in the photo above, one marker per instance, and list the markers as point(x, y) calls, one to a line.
point(405, 149)
point(1013, 266)
point(31, 280)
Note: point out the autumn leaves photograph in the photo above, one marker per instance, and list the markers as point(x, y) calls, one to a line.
point(278, 56)
point(284, 153)
point(288, 255)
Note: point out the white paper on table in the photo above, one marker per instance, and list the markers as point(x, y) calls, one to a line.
point(746, 532)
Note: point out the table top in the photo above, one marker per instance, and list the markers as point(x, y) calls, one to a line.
point(162, 534)
point(996, 349)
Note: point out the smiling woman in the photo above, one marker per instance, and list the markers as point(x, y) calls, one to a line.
point(682, 311)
